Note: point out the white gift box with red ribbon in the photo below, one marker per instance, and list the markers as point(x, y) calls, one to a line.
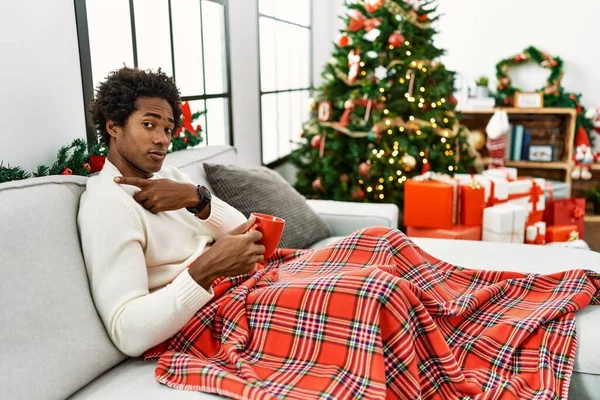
point(528, 192)
point(536, 233)
point(510, 174)
point(504, 223)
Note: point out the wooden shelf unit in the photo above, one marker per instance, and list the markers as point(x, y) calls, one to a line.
point(558, 170)
point(592, 218)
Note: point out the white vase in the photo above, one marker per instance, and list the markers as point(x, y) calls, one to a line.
point(482, 92)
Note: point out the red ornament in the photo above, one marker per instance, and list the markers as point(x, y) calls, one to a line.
point(358, 194)
point(453, 100)
point(66, 171)
point(396, 39)
point(315, 142)
point(198, 128)
point(423, 18)
point(363, 169)
point(373, 5)
point(343, 40)
point(185, 139)
point(579, 109)
point(97, 163)
point(316, 185)
point(87, 167)
point(372, 23)
point(357, 21)
point(344, 178)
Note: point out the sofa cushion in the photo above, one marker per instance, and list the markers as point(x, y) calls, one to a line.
point(190, 161)
point(263, 190)
point(134, 379)
point(52, 341)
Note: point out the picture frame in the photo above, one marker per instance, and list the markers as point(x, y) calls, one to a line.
point(529, 100)
point(541, 153)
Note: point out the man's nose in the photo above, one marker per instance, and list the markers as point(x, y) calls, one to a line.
point(160, 137)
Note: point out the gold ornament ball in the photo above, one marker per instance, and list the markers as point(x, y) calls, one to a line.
point(312, 104)
point(476, 139)
point(409, 162)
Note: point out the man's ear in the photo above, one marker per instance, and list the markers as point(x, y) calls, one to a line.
point(112, 128)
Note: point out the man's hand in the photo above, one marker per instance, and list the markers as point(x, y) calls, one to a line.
point(233, 254)
point(160, 195)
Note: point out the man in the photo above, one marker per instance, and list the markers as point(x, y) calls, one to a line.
point(153, 241)
point(371, 316)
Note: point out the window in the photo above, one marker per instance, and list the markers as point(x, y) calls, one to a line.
point(285, 74)
point(187, 39)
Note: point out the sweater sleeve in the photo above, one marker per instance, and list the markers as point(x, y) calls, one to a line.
point(223, 217)
point(113, 239)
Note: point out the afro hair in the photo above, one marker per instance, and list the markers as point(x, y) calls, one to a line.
point(116, 97)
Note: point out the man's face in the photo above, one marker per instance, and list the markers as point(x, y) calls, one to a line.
point(143, 142)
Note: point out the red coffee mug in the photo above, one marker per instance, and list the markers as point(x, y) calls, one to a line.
point(272, 228)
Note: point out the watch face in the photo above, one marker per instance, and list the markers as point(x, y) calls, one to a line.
point(205, 193)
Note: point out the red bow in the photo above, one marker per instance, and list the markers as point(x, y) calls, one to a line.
point(577, 213)
point(186, 119)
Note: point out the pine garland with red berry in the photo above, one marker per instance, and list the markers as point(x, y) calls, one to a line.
point(554, 94)
point(75, 159)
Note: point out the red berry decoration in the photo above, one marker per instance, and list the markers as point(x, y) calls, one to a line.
point(343, 40)
point(315, 142)
point(396, 39)
point(87, 167)
point(66, 171)
point(358, 194)
point(316, 185)
point(363, 169)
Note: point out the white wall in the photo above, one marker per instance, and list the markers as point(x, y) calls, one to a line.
point(477, 34)
point(41, 100)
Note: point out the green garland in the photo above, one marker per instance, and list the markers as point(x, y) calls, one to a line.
point(554, 93)
point(552, 89)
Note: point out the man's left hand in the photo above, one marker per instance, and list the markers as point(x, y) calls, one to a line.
point(159, 195)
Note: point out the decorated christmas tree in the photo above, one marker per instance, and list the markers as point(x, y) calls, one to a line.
point(385, 112)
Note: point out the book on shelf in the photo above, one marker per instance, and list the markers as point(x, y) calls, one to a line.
point(509, 140)
point(517, 142)
point(526, 145)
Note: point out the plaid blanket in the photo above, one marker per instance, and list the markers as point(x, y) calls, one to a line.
point(373, 316)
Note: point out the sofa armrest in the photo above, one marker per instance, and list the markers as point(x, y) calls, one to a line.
point(347, 217)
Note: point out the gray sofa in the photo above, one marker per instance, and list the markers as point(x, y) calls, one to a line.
point(53, 344)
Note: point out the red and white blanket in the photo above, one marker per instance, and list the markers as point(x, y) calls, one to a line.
point(373, 316)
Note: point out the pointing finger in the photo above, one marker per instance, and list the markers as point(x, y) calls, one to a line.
point(130, 180)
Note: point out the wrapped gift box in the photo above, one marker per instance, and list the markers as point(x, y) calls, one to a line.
point(529, 193)
point(510, 174)
point(536, 233)
point(457, 232)
point(556, 190)
point(472, 204)
point(566, 212)
point(496, 189)
point(430, 201)
point(504, 223)
point(561, 233)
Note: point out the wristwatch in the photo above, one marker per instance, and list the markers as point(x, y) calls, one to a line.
point(205, 199)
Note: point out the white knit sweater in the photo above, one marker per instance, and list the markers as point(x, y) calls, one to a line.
point(137, 261)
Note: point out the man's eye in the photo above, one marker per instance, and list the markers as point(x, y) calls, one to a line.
point(169, 131)
point(148, 124)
